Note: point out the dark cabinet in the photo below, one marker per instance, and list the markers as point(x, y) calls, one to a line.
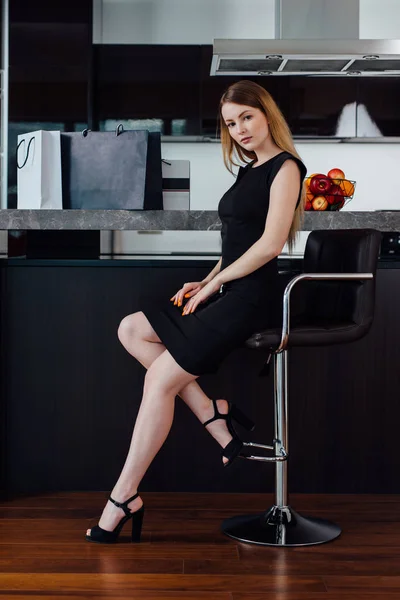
point(148, 82)
point(50, 52)
point(50, 46)
point(322, 106)
point(49, 70)
point(378, 107)
point(315, 107)
point(61, 400)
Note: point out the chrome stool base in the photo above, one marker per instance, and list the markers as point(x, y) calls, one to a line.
point(280, 526)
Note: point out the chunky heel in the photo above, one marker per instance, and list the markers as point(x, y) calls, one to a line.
point(241, 418)
point(102, 536)
point(137, 522)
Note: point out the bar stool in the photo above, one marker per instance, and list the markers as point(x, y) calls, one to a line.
point(339, 296)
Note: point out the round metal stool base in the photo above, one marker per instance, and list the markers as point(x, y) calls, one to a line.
point(280, 526)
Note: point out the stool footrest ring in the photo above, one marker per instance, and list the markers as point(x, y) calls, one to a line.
point(254, 445)
point(283, 454)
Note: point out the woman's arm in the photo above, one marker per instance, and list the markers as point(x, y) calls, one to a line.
point(283, 198)
point(193, 288)
point(213, 273)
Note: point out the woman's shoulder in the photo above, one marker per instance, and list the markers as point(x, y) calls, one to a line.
point(273, 165)
point(282, 157)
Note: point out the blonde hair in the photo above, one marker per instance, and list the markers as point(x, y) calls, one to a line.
point(249, 93)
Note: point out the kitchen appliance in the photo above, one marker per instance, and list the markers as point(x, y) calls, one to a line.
point(390, 247)
point(312, 38)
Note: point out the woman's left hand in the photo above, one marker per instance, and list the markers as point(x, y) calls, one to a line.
point(208, 290)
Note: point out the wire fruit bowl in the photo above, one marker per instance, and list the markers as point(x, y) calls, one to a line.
point(328, 193)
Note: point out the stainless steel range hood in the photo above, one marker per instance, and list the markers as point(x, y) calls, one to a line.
point(338, 52)
point(307, 57)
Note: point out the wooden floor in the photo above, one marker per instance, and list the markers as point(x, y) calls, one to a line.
point(184, 556)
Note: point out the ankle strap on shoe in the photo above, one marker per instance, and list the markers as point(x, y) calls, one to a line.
point(217, 415)
point(124, 505)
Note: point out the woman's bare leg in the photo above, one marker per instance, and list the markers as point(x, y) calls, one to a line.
point(163, 380)
point(140, 340)
point(155, 415)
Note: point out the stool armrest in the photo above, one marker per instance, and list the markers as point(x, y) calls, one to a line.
point(310, 277)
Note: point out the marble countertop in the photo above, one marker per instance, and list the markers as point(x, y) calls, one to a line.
point(178, 220)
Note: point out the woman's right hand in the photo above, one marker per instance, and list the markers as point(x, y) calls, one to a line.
point(187, 291)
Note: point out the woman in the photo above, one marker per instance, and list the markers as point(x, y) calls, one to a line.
point(178, 342)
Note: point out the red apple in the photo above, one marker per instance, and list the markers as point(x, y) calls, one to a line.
point(308, 205)
point(336, 174)
point(334, 192)
point(311, 177)
point(320, 184)
point(337, 205)
point(320, 203)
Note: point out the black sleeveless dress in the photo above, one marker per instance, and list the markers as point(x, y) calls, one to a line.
point(201, 340)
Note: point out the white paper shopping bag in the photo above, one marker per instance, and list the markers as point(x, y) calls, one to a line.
point(39, 170)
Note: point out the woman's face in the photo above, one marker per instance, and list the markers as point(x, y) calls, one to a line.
point(248, 126)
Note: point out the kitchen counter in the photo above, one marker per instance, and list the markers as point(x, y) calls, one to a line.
point(63, 367)
point(67, 383)
point(178, 220)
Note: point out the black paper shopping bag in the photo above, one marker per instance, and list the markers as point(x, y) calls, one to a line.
point(107, 170)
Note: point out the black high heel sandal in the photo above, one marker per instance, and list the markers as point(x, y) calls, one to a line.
point(231, 450)
point(102, 536)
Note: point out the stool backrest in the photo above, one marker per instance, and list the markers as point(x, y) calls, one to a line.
point(342, 251)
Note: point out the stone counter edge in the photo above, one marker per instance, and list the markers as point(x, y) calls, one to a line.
point(177, 220)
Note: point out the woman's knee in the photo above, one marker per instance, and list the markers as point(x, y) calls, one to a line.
point(154, 382)
point(136, 326)
point(166, 376)
point(127, 328)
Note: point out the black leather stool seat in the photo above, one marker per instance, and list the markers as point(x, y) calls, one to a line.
point(318, 334)
point(330, 312)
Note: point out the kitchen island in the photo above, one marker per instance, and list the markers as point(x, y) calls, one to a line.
point(70, 392)
point(178, 220)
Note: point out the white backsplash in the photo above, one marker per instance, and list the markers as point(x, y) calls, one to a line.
point(373, 166)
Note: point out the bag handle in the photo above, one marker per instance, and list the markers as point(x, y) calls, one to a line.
point(27, 152)
point(118, 130)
